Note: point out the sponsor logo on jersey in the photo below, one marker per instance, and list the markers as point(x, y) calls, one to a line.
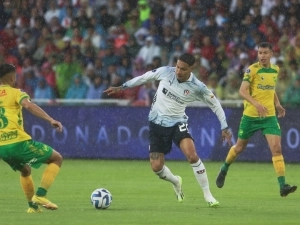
point(3, 92)
point(172, 96)
point(248, 70)
point(262, 77)
point(265, 87)
point(154, 70)
point(186, 92)
point(9, 135)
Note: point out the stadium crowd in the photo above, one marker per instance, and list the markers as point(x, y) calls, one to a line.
point(75, 49)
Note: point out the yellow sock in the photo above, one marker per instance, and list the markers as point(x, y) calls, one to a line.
point(231, 156)
point(278, 163)
point(27, 186)
point(49, 175)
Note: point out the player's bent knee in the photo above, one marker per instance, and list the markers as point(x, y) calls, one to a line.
point(25, 171)
point(56, 158)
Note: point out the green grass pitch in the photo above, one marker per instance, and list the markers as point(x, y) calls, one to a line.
point(249, 196)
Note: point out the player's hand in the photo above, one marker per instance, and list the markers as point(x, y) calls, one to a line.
point(280, 111)
point(261, 110)
point(226, 136)
point(112, 90)
point(57, 125)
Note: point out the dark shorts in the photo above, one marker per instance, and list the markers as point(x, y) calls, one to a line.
point(161, 138)
point(250, 125)
point(22, 153)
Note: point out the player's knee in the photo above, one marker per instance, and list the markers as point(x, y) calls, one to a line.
point(276, 149)
point(156, 167)
point(25, 171)
point(56, 158)
point(192, 158)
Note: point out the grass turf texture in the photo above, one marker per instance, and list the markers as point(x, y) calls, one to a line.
point(249, 196)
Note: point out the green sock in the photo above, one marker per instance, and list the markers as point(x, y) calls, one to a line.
point(281, 181)
point(225, 167)
point(33, 205)
point(41, 192)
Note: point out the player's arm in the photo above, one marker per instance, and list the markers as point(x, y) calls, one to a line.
point(37, 111)
point(209, 98)
point(137, 81)
point(245, 93)
point(280, 110)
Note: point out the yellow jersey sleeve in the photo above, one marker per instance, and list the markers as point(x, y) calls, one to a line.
point(262, 88)
point(11, 117)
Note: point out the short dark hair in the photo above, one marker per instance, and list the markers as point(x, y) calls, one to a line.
point(266, 45)
point(6, 69)
point(187, 58)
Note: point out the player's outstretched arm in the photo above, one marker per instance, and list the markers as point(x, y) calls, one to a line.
point(112, 90)
point(37, 111)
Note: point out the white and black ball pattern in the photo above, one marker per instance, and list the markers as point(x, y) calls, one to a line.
point(101, 198)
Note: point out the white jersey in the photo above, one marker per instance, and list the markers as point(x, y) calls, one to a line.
point(172, 97)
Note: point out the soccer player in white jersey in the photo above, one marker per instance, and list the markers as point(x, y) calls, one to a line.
point(168, 122)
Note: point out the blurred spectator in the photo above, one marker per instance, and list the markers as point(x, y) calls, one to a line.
point(214, 85)
point(149, 50)
point(64, 73)
point(232, 87)
point(77, 89)
point(138, 67)
point(48, 74)
point(28, 82)
point(43, 90)
point(104, 19)
point(292, 94)
point(96, 88)
point(243, 64)
point(283, 82)
point(52, 11)
point(144, 10)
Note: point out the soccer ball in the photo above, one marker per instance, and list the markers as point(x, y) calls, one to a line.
point(101, 198)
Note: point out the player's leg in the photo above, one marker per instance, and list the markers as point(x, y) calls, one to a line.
point(163, 172)
point(188, 148)
point(274, 142)
point(54, 163)
point(161, 144)
point(246, 129)
point(27, 185)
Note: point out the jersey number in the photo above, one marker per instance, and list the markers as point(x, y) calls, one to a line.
point(183, 127)
point(3, 119)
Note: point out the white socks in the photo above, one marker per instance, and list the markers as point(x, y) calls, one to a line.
point(201, 177)
point(167, 175)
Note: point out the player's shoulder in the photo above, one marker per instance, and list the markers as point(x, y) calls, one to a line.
point(275, 67)
point(164, 71)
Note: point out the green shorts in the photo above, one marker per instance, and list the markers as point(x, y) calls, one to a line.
point(27, 152)
point(249, 125)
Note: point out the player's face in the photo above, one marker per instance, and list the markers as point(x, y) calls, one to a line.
point(183, 71)
point(264, 56)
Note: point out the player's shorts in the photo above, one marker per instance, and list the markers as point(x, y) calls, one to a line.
point(161, 137)
point(27, 152)
point(249, 125)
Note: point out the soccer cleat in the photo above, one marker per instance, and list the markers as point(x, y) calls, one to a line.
point(287, 189)
point(213, 204)
point(221, 178)
point(178, 190)
point(43, 201)
point(33, 210)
